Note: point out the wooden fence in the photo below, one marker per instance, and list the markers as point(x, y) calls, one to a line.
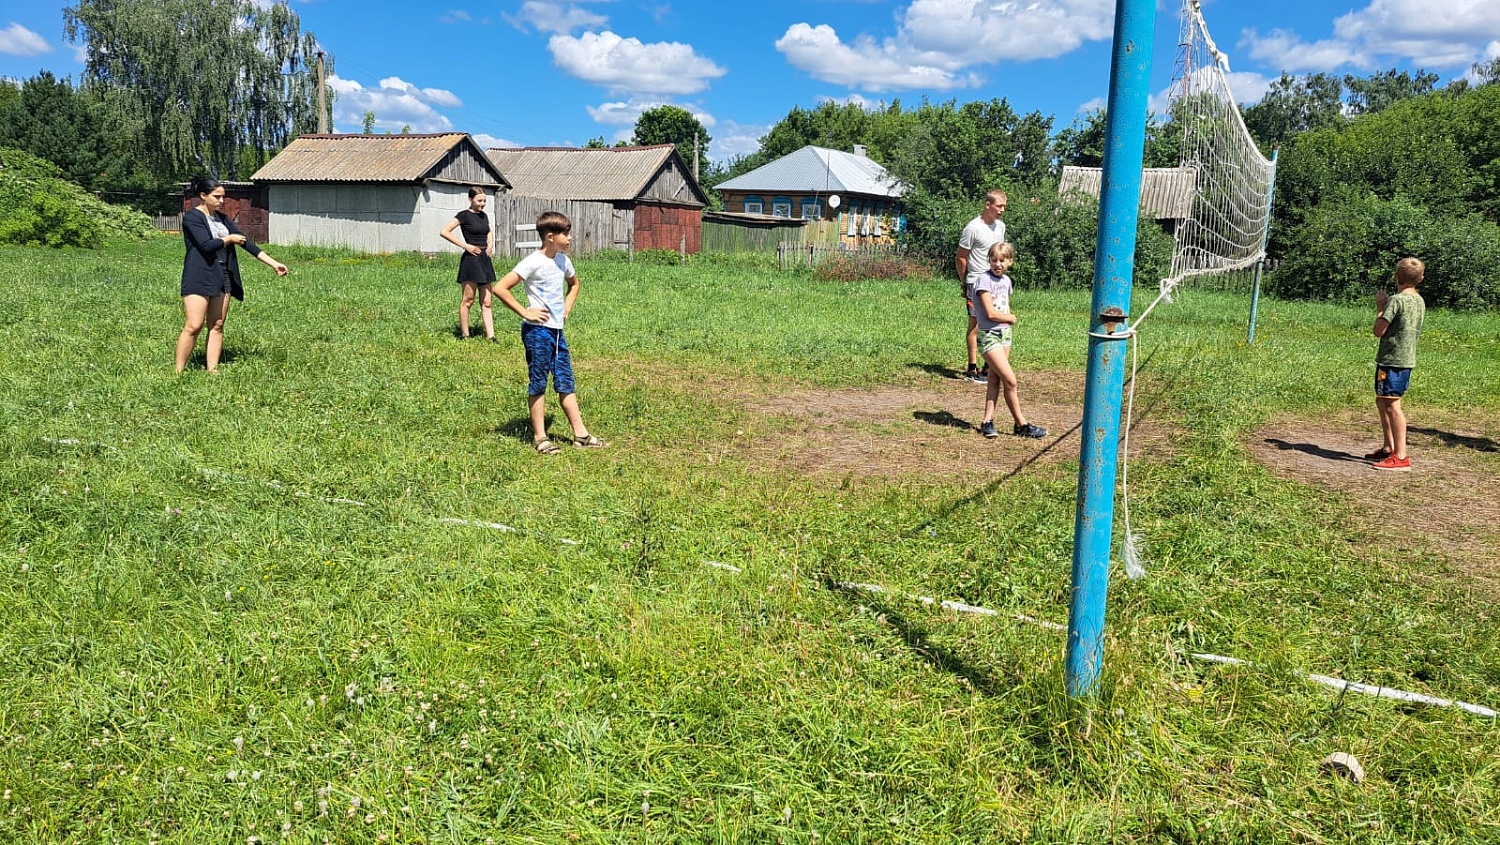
point(812, 254)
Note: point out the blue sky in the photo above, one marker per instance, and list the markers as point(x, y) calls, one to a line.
point(559, 72)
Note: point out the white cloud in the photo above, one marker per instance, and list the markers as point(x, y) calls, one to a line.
point(486, 141)
point(395, 102)
point(628, 112)
point(1093, 105)
point(1286, 51)
point(1435, 33)
point(627, 64)
point(543, 16)
point(939, 40)
point(455, 16)
point(1247, 87)
point(434, 96)
point(17, 40)
point(736, 139)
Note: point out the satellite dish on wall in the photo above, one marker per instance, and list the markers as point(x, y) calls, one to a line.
point(833, 200)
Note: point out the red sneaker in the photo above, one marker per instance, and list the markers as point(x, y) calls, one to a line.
point(1394, 463)
point(1379, 454)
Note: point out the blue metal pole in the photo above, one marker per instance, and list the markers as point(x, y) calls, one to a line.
point(1114, 264)
point(1265, 235)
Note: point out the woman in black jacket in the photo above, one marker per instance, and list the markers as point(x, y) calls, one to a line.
point(211, 272)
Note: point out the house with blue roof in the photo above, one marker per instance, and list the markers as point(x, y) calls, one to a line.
point(850, 197)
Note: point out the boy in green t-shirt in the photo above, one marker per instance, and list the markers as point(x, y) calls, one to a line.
point(1398, 324)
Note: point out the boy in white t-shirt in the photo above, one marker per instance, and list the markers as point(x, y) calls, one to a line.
point(551, 290)
point(992, 311)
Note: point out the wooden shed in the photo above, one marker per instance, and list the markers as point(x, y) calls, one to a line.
point(656, 201)
point(374, 193)
point(1166, 192)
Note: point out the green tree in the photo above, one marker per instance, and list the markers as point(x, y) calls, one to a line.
point(368, 127)
point(672, 125)
point(1488, 72)
point(596, 143)
point(194, 82)
point(1379, 91)
point(1294, 105)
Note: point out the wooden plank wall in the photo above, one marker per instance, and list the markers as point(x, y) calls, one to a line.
point(668, 227)
point(596, 225)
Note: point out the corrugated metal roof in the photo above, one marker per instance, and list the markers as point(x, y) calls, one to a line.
point(365, 158)
point(606, 174)
point(821, 170)
point(1166, 192)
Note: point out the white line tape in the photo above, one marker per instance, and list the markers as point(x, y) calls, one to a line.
point(728, 567)
point(1367, 689)
point(282, 488)
point(495, 526)
point(1336, 683)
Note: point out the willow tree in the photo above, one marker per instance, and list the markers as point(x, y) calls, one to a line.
point(202, 85)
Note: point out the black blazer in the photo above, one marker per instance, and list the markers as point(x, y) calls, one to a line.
point(207, 256)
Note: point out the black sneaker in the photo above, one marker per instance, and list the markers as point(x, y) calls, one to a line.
point(987, 428)
point(1029, 430)
point(976, 375)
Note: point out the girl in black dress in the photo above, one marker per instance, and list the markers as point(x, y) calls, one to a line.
point(211, 272)
point(476, 272)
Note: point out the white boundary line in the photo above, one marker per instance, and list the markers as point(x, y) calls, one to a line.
point(495, 526)
point(1325, 680)
point(945, 604)
point(282, 488)
point(1367, 689)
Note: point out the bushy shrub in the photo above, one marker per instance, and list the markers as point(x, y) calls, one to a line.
point(32, 213)
point(1054, 237)
point(1348, 245)
point(853, 267)
point(38, 208)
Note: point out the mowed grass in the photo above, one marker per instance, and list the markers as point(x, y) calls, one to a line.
point(238, 608)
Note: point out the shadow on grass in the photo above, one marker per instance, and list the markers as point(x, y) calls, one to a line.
point(517, 428)
point(916, 639)
point(943, 418)
point(1478, 444)
point(938, 370)
point(228, 355)
point(1144, 407)
point(1314, 450)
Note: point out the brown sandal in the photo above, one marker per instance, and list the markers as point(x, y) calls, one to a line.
point(589, 441)
point(546, 447)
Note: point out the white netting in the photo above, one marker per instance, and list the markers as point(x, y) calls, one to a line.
point(1226, 226)
point(1228, 211)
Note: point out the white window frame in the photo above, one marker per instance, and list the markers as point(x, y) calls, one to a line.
point(755, 207)
point(815, 207)
point(781, 209)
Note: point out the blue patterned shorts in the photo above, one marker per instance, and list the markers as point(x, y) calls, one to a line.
point(547, 353)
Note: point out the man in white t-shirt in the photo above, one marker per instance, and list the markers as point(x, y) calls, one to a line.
point(972, 260)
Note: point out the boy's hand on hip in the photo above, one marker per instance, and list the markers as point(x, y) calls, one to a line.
point(536, 315)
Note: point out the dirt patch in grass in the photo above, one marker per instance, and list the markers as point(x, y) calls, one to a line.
point(1448, 505)
point(924, 432)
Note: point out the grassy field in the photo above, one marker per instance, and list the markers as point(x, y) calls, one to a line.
point(265, 606)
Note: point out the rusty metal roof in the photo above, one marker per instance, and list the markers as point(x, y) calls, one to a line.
point(1166, 192)
point(606, 174)
point(368, 158)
